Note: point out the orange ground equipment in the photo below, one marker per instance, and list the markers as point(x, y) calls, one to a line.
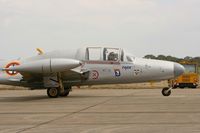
point(189, 79)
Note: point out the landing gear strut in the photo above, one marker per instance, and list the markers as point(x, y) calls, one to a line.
point(167, 91)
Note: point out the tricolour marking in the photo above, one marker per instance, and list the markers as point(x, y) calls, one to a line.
point(12, 73)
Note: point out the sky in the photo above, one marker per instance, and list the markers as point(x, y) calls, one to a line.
point(169, 27)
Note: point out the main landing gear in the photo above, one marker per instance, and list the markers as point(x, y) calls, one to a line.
point(167, 91)
point(55, 86)
point(55, 92)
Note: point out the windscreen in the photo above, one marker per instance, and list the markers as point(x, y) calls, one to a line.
point(190, 68)
point(94, 54)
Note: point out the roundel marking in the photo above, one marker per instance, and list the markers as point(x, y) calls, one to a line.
point(12, 73)
point(95, 74)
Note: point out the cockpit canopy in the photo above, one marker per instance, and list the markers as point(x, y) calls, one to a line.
point(104, 54)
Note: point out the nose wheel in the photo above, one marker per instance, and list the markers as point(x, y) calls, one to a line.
point(166, 91)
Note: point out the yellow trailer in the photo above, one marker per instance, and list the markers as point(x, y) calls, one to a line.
point(189, 79)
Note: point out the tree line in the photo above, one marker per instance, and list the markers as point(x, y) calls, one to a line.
point(174, 59)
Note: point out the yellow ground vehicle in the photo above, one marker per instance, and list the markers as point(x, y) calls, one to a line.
point(190, 78)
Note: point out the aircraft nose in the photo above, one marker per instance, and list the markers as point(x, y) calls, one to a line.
point(178, 69)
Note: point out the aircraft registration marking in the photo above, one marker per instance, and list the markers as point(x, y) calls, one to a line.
point(127, 67)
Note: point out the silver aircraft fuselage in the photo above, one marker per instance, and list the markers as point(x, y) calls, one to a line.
point(103, 72)
point(86, 66)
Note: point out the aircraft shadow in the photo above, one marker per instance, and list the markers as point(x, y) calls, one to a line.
point(23, 98)
point(44, 97)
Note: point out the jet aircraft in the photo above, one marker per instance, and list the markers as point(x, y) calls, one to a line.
point(59, 70)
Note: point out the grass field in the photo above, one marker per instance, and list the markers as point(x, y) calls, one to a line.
point(156, 85)
point(148, 85)
point(199, 70)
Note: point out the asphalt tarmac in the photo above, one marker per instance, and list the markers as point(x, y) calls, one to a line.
point(100, 111)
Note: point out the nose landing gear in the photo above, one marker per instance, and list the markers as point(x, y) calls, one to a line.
point(167, 91)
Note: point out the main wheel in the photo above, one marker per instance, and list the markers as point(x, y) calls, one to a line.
point(66, 92)
point(53, 92)
point(166, 92)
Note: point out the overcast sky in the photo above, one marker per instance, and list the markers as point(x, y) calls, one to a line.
point(169, 27)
